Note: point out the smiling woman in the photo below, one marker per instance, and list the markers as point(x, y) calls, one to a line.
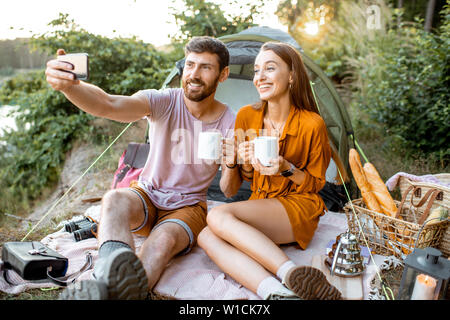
point(284, 206)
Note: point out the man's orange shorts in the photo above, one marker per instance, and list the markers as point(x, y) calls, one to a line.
point(192, 218)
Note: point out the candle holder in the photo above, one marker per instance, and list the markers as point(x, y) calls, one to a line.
point(425, 276)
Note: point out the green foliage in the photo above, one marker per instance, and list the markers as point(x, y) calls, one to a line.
point(397, 74)
point(406, 89)
point(31, 157)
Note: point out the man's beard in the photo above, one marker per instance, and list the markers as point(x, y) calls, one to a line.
point(202, 94)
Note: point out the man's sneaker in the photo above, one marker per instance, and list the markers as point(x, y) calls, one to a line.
point(122, 278)
point(85, 290)
point(283, 295)
point(311, 284)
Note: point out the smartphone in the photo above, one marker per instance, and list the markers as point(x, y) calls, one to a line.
point(80, 62)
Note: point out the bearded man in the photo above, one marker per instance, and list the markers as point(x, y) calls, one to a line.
point(168, 203)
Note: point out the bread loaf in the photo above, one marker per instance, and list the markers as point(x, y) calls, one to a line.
point(361, 181)
point(369, 191)
point(380, 190)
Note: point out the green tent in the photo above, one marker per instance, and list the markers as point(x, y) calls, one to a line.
point(238, 90)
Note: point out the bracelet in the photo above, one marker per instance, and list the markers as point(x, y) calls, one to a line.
point(232, 167)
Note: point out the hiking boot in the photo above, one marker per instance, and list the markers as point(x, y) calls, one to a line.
point(311, 284)
point(122, 277)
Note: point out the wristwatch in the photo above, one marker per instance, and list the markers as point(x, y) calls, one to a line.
point(289, 172)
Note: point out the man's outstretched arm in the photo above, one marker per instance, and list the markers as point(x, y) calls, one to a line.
point(91, 98)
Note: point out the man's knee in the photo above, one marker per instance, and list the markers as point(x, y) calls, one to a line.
point(115, 196)
point(120, 199)
point(170, 237)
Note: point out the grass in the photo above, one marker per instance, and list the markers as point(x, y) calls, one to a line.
point(33, 294)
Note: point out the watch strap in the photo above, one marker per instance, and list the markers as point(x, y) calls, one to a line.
point(289, 172)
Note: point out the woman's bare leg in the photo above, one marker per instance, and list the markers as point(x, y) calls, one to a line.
point(255, 227)
point(232, 261)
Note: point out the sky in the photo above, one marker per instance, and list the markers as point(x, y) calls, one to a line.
point(149, 20)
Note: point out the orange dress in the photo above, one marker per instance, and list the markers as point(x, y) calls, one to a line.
point(304, 143)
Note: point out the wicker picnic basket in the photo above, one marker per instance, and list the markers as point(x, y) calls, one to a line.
point(404, 184)
point(386, 235)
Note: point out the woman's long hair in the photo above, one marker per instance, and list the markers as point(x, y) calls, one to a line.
point(300, 90)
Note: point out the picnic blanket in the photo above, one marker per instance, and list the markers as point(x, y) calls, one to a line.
point(192, 276)
point(392, 182)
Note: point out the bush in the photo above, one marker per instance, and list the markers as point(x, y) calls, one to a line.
point(406, 90)
point(31, 157)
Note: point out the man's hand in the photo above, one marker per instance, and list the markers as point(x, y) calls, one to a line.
point(57, 75)
point(229, 151)
point(246, 151)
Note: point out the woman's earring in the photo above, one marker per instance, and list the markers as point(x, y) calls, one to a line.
point(290, 85)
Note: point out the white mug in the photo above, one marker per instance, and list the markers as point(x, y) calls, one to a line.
point(209, 145)
point(266, 149)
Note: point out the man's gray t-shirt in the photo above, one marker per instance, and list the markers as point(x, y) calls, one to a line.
point(173, 176)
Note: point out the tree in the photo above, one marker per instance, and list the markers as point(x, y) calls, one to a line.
point(203, 18)
point(424, 9)
point(429, 15)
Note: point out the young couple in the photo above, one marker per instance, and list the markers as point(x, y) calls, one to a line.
point(168, 203)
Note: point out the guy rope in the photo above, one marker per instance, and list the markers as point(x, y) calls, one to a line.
point(385, 288)
point(75, 183)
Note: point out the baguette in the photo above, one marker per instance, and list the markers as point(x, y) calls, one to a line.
point(361, 181)
point(372, 203)
point(380, 190)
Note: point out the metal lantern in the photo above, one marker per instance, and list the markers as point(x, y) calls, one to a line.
point(425, 276)
point(345, 258)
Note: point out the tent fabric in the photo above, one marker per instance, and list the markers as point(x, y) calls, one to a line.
point(263, 34)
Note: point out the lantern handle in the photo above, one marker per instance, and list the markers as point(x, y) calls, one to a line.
point(336, 253)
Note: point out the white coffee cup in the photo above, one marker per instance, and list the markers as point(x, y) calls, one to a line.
point(266, 149)
point(209, 145)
